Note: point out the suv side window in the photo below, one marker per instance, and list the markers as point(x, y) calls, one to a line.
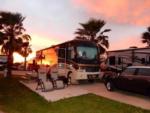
point(129, 71)
point(144, 72)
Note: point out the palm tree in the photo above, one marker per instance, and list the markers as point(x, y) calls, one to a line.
point(91, 30)
point(146, 37)
point(12, 37)
point(25, 50)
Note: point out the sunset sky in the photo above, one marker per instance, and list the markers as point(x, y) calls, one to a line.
point(51, 22)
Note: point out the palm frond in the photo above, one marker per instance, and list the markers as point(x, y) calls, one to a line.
point(144, 41)
point(26, 37)
point(106, 30)
point(146, 37)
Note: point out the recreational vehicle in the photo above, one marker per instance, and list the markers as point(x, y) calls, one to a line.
point(76, 59)
point(126, 57)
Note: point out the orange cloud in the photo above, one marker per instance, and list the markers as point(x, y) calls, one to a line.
point(19, 58)
point(120, 11)
point(37, 42)
point(40, 41)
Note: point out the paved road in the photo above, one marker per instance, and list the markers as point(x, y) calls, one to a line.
point(124, 97)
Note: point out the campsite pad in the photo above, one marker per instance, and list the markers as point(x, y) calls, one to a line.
point(57, 94)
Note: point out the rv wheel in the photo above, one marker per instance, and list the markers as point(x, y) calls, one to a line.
point(109, 86)
point(69, 77)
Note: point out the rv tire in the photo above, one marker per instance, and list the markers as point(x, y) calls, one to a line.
point(69, 77)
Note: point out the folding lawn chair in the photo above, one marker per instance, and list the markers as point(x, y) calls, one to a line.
point(43, 83)
point(58, 83)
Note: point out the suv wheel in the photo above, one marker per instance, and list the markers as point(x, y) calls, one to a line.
point(109, 86)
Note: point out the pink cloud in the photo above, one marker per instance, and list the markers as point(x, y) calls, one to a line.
point(120, 11)
point(125, 43)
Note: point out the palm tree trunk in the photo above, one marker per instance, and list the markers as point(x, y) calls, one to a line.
point(25, 63)
point(9, 64)
point(25, 59)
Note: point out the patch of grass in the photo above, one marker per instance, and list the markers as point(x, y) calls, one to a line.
point(15, 98)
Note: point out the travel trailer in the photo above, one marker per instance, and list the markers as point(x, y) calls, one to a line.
point(76, 59)
point(126, 57)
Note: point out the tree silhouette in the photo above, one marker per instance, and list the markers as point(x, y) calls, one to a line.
point(12, 36)
point(146, 37)
point(25, 49)
point(91, 30)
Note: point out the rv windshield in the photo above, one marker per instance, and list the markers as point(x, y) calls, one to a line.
point(87, 53)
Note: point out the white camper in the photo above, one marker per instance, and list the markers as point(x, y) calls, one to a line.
point(75, 59)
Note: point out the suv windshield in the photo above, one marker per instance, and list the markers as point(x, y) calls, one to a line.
point(87, 53)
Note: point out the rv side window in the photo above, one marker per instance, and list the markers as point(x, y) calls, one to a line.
point(143, 60)
point(112, 60)
point(119, 60)
point(71, 53)
point(149, 60)
point(61, 52)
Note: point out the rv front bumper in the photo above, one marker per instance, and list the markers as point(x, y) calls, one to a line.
point(87, 75)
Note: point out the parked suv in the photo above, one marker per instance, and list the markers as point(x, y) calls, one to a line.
point(133, 78)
